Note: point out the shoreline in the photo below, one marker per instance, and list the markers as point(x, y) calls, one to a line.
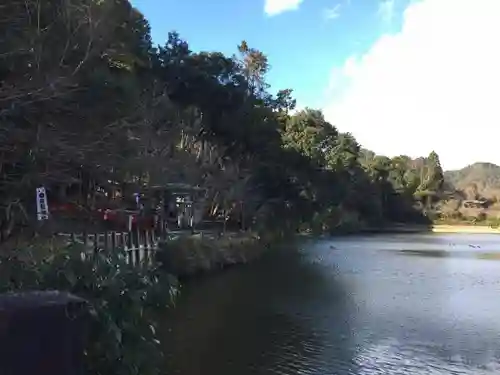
point(463, 228)
point(397, 228)
point(435, 228)
point(197, 256)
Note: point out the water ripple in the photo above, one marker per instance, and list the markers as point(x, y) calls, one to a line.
point(391, 305)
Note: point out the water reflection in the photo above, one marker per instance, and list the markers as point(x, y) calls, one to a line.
point(246, 321)
point(425, 253)
point(353, 306)
point(455, 254)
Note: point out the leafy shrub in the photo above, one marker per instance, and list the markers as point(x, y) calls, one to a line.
point(125, 303)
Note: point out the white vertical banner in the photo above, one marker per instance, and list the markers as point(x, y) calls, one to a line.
point(42, 205)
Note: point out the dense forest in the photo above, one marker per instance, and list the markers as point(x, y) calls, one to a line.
point(86, 95)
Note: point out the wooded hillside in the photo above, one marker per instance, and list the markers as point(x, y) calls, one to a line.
point(86, 98)
point(479, 180)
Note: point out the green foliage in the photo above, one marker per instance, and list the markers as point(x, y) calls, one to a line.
point(110, 106)
point(124, 301)
point(432, 178)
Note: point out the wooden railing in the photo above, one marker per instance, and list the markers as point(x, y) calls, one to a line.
point(140, 246)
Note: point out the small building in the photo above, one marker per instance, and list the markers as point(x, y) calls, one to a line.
point(477, 203)
point(182, 204)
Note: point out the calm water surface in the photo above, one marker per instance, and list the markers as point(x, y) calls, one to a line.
point(395, 304)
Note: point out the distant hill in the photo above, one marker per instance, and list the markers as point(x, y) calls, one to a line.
point(478, 180)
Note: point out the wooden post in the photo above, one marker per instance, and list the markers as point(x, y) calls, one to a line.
point(126, 244)
point(136, 247)
point(147, 253)
point(130, 247)
point(129, 223)
point(96, 242)
point(153, 250)
point(85, 239)
point(42, 333)
point(106, 240)
point(225, 222)
point(140, 247)
point(113, 240)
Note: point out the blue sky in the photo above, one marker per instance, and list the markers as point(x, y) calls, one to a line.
point(302, 44)
point(403, 76)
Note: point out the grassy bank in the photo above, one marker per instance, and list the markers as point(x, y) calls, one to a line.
point(188, 256)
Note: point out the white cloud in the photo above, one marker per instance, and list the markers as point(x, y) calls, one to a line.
point(332, 13)
point(433, 85)
point(275, 7)
point(386, 10)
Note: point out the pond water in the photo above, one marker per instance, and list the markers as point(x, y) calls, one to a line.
point(384, 304)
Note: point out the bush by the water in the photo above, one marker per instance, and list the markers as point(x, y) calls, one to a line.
point(125, 303)
point(186, 256)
